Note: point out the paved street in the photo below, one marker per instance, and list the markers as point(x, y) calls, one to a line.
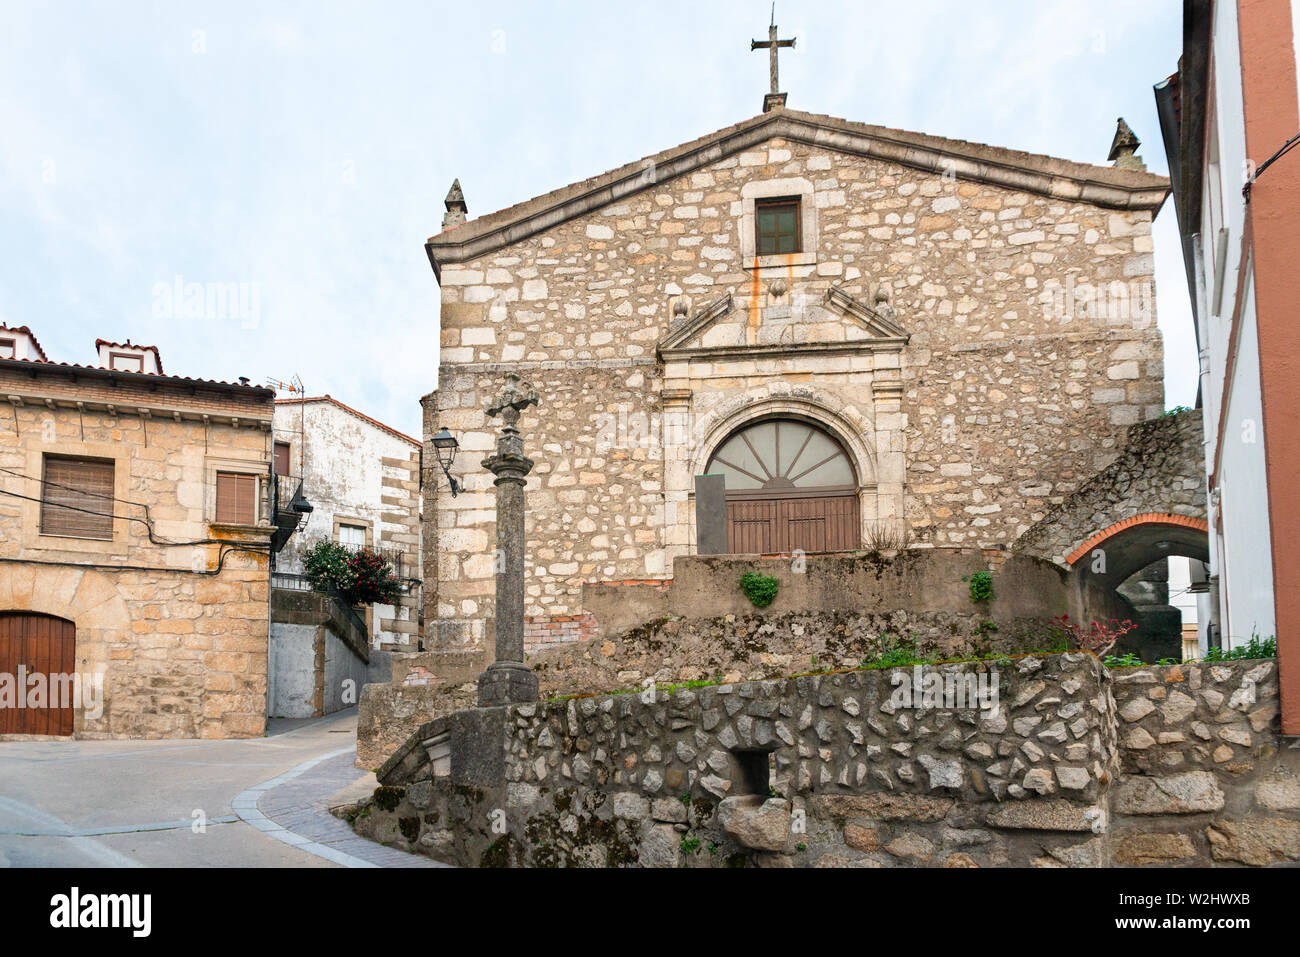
point(135, 803)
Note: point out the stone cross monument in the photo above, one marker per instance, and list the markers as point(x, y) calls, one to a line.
point(508, 680)
point(774, 100)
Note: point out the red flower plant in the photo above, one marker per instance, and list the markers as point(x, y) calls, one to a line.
point(1099, 638)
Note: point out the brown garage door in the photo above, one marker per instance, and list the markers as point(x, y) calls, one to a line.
point(36, 644)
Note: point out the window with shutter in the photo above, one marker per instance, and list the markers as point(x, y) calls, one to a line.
point(776, 222)
point(236, 498)
point(281, 458)
point(77, 497)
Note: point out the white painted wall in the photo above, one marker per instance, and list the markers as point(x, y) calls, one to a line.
point(1242, 560)
point(341, 457)
point(1246, 593)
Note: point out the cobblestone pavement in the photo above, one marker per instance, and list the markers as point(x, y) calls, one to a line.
point(294, 808)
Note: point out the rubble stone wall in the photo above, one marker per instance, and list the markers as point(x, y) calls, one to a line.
point(836, 770)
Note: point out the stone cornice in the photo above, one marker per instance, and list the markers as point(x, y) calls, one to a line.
point(1105, 187)
point(857, 347)
point(686, 329)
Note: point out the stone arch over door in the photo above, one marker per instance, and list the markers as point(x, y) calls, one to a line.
point(791, 486)
point(1148, 504)
point(91, 601)
point(846, 425)
point(1110, 557)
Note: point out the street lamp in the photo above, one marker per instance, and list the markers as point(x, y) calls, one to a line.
point(445, 446)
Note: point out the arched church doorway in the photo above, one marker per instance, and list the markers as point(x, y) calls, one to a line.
point(790, 486)
point(36, 650)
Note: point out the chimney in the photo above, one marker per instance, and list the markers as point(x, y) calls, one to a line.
point(1123, 148)
point(456, 208)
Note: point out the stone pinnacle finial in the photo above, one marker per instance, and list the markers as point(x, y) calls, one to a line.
point(1124, 146)
point(457, 211)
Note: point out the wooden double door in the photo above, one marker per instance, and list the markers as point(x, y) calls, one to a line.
point(815, 523)
point(30, 645)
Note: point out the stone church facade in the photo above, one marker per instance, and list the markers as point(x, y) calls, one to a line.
point(948, 337)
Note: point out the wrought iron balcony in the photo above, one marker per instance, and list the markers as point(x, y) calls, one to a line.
point(287, 506)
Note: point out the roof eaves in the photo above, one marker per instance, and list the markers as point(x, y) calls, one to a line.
point(347, 408)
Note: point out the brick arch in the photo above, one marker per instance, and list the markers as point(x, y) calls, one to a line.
point(1149, 518)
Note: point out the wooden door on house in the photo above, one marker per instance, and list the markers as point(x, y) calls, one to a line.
point(790, 486)
point(37, 644)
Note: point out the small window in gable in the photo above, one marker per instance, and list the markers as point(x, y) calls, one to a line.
point(8, 348)
point(777, 226)
point(126, 362)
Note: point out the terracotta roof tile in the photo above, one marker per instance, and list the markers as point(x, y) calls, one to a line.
point(347, 408)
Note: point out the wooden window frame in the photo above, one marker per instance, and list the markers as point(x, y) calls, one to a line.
point(133, 356)
point(767, 203)
point(12, 345)
point(218, 517)
point(276, 445)
point(88, 532)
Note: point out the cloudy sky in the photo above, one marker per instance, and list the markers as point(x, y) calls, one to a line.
point(295, 155)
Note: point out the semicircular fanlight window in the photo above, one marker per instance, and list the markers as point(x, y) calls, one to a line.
point(782, 454)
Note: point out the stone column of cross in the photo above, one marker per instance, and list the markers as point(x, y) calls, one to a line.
point(508, 680)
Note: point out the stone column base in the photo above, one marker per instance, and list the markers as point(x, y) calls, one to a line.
point(506, 682)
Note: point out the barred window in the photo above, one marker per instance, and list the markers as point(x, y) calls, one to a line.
point(236, 498)
point(77, 497)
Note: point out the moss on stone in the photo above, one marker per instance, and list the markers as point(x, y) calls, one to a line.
point(387, 798)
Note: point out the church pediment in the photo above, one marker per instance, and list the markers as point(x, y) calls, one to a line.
point(1102, 186)
point(783, 322)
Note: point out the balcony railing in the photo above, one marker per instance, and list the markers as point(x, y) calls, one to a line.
point(280, 491)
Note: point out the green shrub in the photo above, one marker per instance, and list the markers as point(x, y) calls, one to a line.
point(1255, 648)
point(759, 589)
point(361, 577)
point(981, 586)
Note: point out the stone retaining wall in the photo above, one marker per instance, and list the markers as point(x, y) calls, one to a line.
point(1205, 777)
point(833, 770)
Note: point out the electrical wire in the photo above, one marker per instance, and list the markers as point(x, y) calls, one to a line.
point(147, 521)
point(1287, 147)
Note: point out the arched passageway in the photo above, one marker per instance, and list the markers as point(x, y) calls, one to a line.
point(1120, 553)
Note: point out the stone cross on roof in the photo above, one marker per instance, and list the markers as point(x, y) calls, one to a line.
point(772, 45)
